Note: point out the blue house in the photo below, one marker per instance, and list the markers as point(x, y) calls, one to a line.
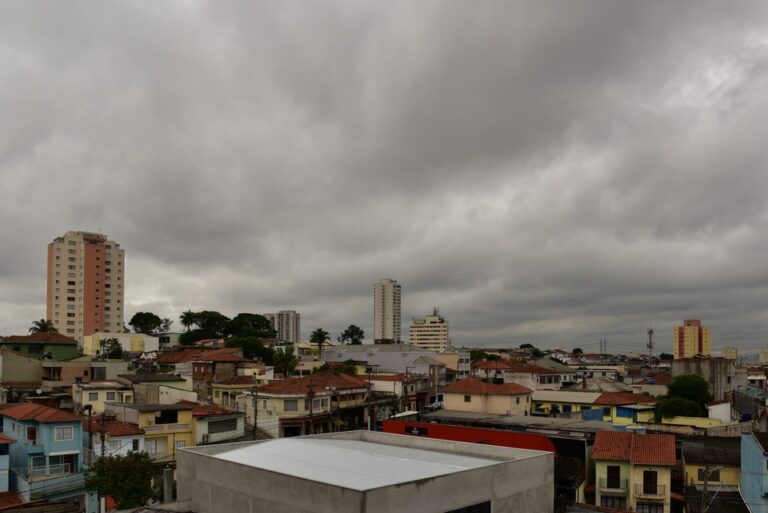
point(754, 471)
point(46, 456)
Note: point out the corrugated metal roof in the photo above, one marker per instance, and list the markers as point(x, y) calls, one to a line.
point(351, 464)
point(559, 396)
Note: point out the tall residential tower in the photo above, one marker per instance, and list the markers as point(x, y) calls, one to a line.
point(85, 284)
point(287, 324)
point(386, 312)
point(692, 339)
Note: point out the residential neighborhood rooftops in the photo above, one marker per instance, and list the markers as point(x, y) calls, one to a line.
point(237, 380)
point(656, 449)
point(209, 410)
point(6, 439)
point(623, 398)
point(150, 378)
point(48, 337)
point(152, 407)
point(478, 387)
point(200, 354)
point(320, 381)
point(112, 426)
point(712, 450)
point(38, 412)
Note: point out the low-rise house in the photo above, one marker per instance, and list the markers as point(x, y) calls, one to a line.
point(654, 385)
point(18, 369)
point(616, 407)
point(409, 391)
point(720, 410)
point(716, 460)
point(226, 392)
point(96, 394)
point(82, 369)
point(49, 345)
point(319, 403)
point(167, 427)
point(46, 458)
point(634, 471)
point(214, 424)
point(212, 366)
point(180, 361)
point(754, 471)
point(5, 462)
point(157, 388)
point(104, 435)
point(129, 342)
point(473, 394)
point(531, 376)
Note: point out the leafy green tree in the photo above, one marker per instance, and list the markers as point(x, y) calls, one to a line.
point(165, 326)
point(666, 356)
point(212, 321)
point(111, 348)
point(284, 360)
point(250, 325)
point(188, 319)
point(477, 354)
point(319, 337)
point(691, 387)
point(526, 346)
point(348, 367)
point(42, 326)
point(128, 479)
point(493, 358)
point(577, 350)
point(190, 337)
point(676, 406)
point(353, 334)
point(252, 348)
point(145, 322)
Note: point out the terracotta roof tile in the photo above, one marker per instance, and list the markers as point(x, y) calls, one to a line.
point(6, 439)
point(237, 380)
point(10, 500)
point(191, 354)
point(621, 398)
point(318, 381)
point(112, 426)
point(478, 387)
point(636, 448)
point(659, 379)
point(49, 337)
point(207, 410)
point(38, 412)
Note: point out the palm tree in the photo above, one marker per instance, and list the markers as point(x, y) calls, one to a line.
point(42, 326)
point(319, 337)
point(187, 319)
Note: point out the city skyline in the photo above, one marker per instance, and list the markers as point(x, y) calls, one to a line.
point(545, 173)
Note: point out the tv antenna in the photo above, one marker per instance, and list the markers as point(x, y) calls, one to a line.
point(650, 343)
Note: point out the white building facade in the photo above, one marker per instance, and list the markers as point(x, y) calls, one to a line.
point(287, 324)
point(386, 312)
point(431, 332)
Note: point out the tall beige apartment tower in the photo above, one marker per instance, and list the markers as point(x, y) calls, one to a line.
point(85, 284)
point(287, 324)
point(431, 333)
point(692, 339)
point(386, 312)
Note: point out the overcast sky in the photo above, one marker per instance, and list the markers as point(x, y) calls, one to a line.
point(544, 172)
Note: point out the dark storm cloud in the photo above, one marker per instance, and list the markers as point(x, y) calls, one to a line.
point(553, 172)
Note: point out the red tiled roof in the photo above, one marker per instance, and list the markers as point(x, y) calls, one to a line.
point(112, 426)
point(493, 364)
point(110, 504)
point(237, 380)
point(38, 412)
point(10, 500)
point(227, 354)
point(207, 410)
point(49, 337)
point(478, 387)
point(659, 379)
point(637, 448)
point(621, 398)
point(318, 381)
point(394, 377)
point(6, 439)
point(190, 354)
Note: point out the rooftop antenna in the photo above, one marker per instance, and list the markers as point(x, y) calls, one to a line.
point(650, 343)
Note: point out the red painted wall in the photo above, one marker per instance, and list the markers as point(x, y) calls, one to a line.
point(469, 434)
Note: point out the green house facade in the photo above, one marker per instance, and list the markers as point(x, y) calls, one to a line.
point(50, 345)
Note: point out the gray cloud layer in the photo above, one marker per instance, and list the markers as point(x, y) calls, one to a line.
point(547, 172)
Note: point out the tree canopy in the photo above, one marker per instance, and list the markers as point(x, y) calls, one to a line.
point(284, 360)
point(353, 334)
point(319, 337)
point(477, 354)
point(252, 348)
point(111, 348)
point(128, 479)
point(42, 326)
point(666, 356)
point(347, 367)
point(577, 350)
point(146, 322)
point(212, 324)
point(691, 387)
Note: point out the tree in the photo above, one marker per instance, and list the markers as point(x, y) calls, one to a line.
point(577, 350)
point(691, 387)
point(252, 348)
point(319, 337)
point(165, 325)
point(347, 367)
point(145, 322)
point(353, 334)
point(111, 348)
point(676, 406)
point(187, 319)
point(127, 479)
point(666, 356)
point(526, 346)
point(493, 358)
point(42, 326)
point(250, 325)
point(212, 321)
point(477, 354)
point(284, 360)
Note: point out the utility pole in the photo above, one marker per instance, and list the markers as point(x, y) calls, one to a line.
point(102, 423)
point(650, 344)
point(255, 411)
point(370, 371)
point(311, 396)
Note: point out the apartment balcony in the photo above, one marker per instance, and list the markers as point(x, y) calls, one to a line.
point(165, 428)
point(650, 492)
point(57, 481)
point(613, 486)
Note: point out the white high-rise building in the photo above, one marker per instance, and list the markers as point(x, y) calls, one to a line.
point(287, 324)
point(386, 312)
point(431, 333)
point(85, 284)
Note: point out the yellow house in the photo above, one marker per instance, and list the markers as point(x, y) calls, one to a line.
point(716, 460)
point(167, 427)
point(99, 393)
point(475, 395)
point(130, 342)
point(617, 407)
point(226, 392)
point(633, 471)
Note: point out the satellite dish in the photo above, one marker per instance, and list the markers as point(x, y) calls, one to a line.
point(38, 391)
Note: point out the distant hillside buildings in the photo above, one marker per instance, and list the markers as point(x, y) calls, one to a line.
point(287, 324)
point(85, 284)
point(386, 312)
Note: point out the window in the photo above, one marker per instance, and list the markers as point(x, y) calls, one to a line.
point(167, 417)
point(613, 478)
point(613, 502)
point(32, 434)
point(113, 445)
point(111, 396)
point(517, 400)
point(291, 405)
point(222, 426)
point(714, 475)
point(37, 463)
point(467, 398)
point(135, 444)
point(63, 433)
point(93, 396)
point(179, 444)
point(650, 507)
point(150, 446)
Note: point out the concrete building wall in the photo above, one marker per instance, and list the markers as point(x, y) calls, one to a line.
point(692, 339)
point(430, 332)
point(754, 474)
point(386, 311)
point(720, 373)
point(287, 324)
point(16, 368)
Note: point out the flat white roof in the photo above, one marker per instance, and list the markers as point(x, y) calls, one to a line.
point(352, 464)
